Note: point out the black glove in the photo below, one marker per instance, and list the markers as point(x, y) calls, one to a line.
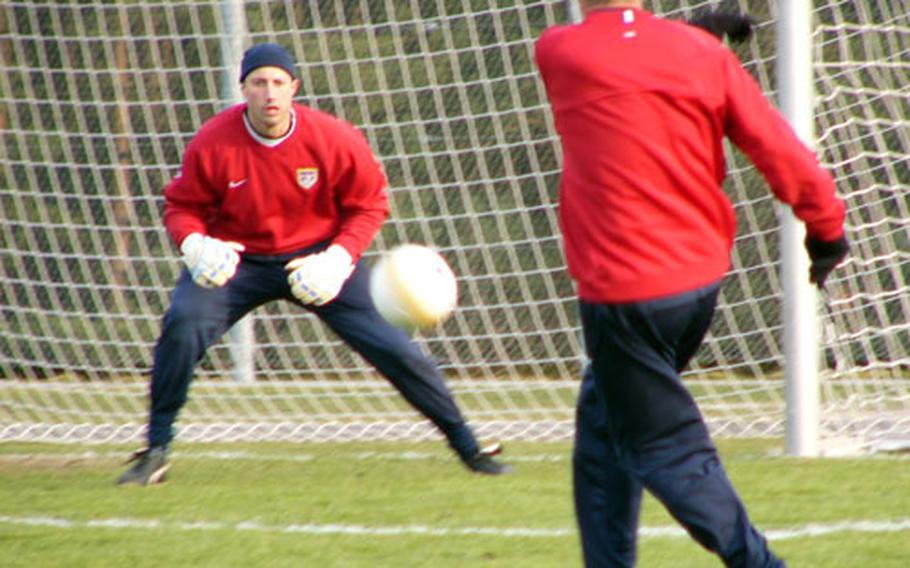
point(825, 255)
point(737, 27)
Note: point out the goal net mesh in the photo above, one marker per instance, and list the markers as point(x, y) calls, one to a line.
point(98, 101)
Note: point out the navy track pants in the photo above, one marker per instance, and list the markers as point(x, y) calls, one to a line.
point(199, 316)
point(638, 427)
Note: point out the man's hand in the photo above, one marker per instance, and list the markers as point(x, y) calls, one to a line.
point(825, 256)
point(737, 27)
point(317, 278)
point(212, 262)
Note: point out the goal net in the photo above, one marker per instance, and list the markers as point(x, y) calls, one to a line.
point(99, 99)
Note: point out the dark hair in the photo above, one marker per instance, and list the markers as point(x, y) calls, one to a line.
point(737, 27)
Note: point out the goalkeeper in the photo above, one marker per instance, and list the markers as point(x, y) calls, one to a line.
point(642, 105)
point(277, 201)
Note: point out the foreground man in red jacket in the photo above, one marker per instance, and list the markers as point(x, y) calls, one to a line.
point(642, 105)
point(277, 201)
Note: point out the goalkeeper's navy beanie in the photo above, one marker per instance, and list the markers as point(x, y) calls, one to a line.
point(266, 55)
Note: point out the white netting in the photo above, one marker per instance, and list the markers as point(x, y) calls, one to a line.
point(100, 98)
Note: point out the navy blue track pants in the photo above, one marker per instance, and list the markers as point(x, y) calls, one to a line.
point(199, 316)
point(638, 427)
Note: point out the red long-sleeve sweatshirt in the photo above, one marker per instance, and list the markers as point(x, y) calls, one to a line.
point(642, 105)
point(321, 182)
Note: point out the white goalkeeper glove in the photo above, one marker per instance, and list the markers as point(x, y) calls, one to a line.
point(317, 278)
point(212, 262)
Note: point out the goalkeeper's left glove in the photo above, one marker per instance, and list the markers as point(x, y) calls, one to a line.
point(825, 256)
point(317, 278)
point(737, 27)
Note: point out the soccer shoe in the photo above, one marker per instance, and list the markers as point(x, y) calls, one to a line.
point(150, 467)
point(483, 462)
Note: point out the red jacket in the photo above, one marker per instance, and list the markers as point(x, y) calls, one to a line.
point(320, 183)
point(642, 105)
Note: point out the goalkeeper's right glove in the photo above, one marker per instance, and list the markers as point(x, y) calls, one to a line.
point(825, 256)
point(211, 262)
point(737, 27)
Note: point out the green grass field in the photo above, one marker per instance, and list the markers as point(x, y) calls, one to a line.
point(403, 504)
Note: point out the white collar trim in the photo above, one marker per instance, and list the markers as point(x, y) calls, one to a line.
point(270, 142)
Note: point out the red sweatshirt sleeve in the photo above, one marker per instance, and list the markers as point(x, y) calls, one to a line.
point(363, 201)
point(188, 199)
point(789, 166)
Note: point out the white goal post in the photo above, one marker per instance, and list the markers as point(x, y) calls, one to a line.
point(97, 103)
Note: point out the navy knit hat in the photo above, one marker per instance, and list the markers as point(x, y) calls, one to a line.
point(266, 55)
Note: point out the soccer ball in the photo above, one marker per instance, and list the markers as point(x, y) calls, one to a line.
point(413, 287)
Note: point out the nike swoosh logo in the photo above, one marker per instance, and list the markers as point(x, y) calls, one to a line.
point(236, 184)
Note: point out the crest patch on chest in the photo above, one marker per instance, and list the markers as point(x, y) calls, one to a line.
point(307, 177)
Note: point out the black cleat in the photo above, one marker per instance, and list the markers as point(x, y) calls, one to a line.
point(483, 462)
point(150, 467)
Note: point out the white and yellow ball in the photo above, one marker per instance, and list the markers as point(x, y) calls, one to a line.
point(413, 287)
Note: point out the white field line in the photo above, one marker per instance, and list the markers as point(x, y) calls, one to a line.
point(805, 531)
point(398, 456)
point(360, 456)
point(122, 456)
point(254, 456)
point(818, 529)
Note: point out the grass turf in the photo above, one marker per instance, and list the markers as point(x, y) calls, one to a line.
point(359, 505)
